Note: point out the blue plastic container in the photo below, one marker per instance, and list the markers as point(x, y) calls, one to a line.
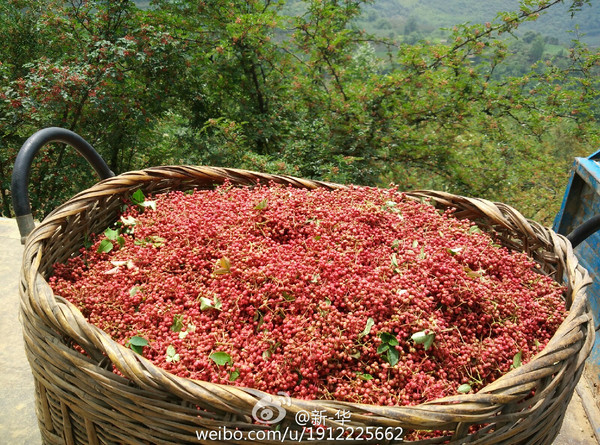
point(580, 203)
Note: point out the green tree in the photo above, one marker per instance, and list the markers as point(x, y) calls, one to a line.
point(536, 50)
point(92, 67)
point(296, 88)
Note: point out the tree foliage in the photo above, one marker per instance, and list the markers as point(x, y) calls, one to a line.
point(295, 88)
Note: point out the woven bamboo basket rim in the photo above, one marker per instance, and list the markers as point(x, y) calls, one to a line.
point(501, 402)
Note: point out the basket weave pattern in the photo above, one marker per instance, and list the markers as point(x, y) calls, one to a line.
point(81, 401)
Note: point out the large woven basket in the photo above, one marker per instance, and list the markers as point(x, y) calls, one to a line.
point(80, 400)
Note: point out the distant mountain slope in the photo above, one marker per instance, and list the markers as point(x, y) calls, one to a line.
point(388, 17)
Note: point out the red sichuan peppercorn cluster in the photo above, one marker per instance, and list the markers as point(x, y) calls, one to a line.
point(360, 294)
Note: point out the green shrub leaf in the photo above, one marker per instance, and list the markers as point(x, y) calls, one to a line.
point(105, 246)
point(220, 358)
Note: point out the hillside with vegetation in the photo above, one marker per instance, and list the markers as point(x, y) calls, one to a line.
point(399, 18)
point(308, 88)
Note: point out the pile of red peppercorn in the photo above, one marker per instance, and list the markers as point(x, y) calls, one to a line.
point(358, 294)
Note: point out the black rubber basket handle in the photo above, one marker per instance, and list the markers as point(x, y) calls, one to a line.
point(585, 230)
point(22, 168)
